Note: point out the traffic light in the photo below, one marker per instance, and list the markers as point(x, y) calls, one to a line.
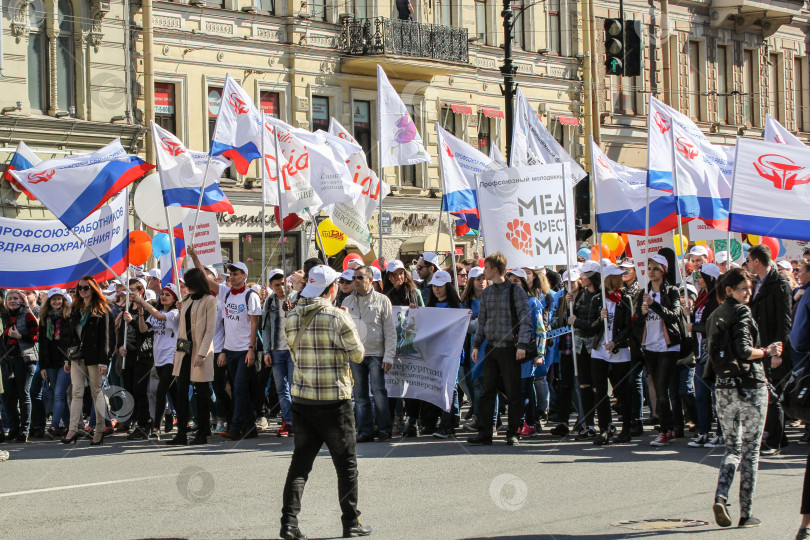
point(614, 46)
point(633, 42)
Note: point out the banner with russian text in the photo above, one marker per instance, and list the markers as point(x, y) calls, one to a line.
point(642, 247)
point(523, 215)
point(43, 254)
point(206, 238)
point(429, 345)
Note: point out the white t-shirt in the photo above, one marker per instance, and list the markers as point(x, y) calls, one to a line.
point(624, 354)
point(237, 317)
point(282, 344)
point(655, 339)
point(165, 337)
point(219, 329)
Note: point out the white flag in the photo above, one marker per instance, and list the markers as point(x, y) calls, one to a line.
point(401, 143)
point(532, 144)
point(777, 133)
point(294, 165)
point(496, 155)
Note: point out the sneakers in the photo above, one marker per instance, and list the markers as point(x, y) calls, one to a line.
point(700, 441)
point(262, 424)
point(411, 431)
point(4, 456)
point(512, 440)
point(472, 425)
point(220, 428)
point(560, 430)
point(284, 431)
point(587, 433)
point(445, 433)
point(397, 427)
point(605, 437)
point(716, 442)
point(748, 522)
point(803, 534)
point(527, 430)
point(767, 451)
point(805, 439)
point(663, 439)
point(721, 516)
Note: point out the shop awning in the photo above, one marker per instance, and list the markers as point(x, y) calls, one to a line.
point(417, 245)
point(461, 109)
point(568, 120)
point(492, 113)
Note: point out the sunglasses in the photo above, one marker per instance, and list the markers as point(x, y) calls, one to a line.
point(420, 266)
point(83, 287)
point(343, 281)
point(463, 274)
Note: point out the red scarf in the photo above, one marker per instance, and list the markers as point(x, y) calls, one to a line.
point(238, 291)
point(701, 300)
point(615, 297)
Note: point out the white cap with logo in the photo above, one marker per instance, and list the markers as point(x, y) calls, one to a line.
point(320, 277)
point(431, 258)
point(440, 278)
point(394, 265)
point(239, 266)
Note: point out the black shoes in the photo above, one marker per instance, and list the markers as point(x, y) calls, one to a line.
point(411, 431)
point(624, 437)
point(721, 516)
point(355, 531)
point(512, 440)
point(480, 439)
point(21, 438)
point(73, 439)
point(365, 438)
point(605, 437)
point(288, 532)
point(138, 434)
point(636, 428)
point(383, 436)
point(198, 440)
point(178, 440)
point(560, 430)
point(748, 522)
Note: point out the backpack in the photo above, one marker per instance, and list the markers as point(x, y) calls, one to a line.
point(796, 397)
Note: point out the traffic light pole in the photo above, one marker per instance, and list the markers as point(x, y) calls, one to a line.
point(508, 71)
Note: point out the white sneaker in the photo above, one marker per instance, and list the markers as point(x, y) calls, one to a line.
point(699, 442)
point(3, 455)
point(262, 424)
point(715, 442)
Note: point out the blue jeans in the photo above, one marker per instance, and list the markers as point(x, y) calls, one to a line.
point(370, 371)
point(58, 382)
point(282, 376)
point(682, 394)
point(17, 398)
point(242, 377)
point(637, 380)
point(704, 393)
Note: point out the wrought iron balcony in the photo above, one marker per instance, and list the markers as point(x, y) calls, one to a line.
point(366, 37)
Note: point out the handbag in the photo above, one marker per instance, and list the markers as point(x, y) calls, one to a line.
point(796, 397)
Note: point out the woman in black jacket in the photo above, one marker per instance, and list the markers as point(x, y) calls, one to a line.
point(658, 315)
point(20, 336)
point(92, 340)
point(705, 305)
point(565, 389)
point(736, 359)
point(610, 357)
point(54, 340)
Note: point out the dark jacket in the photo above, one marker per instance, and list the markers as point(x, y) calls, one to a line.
point(771, 308)
point(582, 311)
point(98, 336)
point(53, 352)
point(739, 328)
point(669, 309)
point(622, 322)
point(403, 296)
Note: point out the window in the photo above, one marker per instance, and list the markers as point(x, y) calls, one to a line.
point(320, 113)
point(65, 58)
point(250, 251)
point(448, 119)
point(317, 9)
point(623, 94)
point(410, 172)
point(268, 102)
point(360, 9)
point(518, 31)
point(748, 87)
point(481, 19)
point(445, 12)
point(266, 5)
point(798, 93)
point(722, 84)
point(361, 119)
point(695, 111)
point(165, 115)
point(484, 131)
point(774, 86)
point(38, 64)
point(554, 34)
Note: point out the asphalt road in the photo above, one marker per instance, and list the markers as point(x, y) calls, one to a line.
point(416, 488)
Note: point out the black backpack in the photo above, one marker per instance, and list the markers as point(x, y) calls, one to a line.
point(796, 397)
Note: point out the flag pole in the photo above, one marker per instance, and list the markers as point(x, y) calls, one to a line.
point(264, 212)
point(680, 224)
point(570, 304)
point(126, 274)
point(449, 217)
point(320, 241)
point(280, 214)
point(599, 249)
point(731, 198)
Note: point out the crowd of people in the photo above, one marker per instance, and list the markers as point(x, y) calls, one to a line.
point(705, 349)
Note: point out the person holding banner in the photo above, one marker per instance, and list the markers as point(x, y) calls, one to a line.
point(468, 379)
point(566, 389)
point(610, 357)
point(92, 343)
point(631, 289)
point(742, 393)
point(504, 321)
point(20, 337)
point(54, 337)
point(660, 310)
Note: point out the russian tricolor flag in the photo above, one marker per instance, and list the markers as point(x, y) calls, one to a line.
point(75, 186)
point(22, 159)
point(238, 132)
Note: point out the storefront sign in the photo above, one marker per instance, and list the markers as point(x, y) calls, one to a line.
point(214, 99)
point(414, 220)
point(164, 98)
point(224, 220)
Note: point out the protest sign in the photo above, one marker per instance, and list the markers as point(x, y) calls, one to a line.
point(700, 231)
point(43, 254)
point(641, 249)
point(794, 249)
point(524, 212)
point(206, 238)
point(429, 345)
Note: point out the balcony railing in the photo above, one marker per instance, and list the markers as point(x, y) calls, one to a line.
point(362, 37)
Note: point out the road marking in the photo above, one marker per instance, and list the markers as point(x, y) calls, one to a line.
point(77, 486)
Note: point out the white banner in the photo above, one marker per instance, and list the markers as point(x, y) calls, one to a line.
point(794, 249)
point(700, 231)
point(206, 238)
point(640, 252)
point(429, 345)
point(524, 215)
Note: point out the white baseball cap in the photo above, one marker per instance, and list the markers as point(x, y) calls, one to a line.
point(573, 276)
point(275, 272)
point(213, 270)
point(320, 277)
point(440, 278)
point(431, 258)
point(691, 290)
point(154, 272)
point(613, 270)
point(699, 251)
point(590, 267)
point(238, 265)
point(660, 259)
point(519, 272)
point(475, 272)
point(710, 269)
point(149, 295)
point(377, 275)
point(348, 275)
point(142, 282)
point(56, 290)
point(721, 257)
point(785, 265)
point(173, 289)
point(394, 265)
point(627, 263)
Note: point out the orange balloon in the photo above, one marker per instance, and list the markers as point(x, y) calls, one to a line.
point(140, 247)
point(626, 239)
point(619, 248)
point(595, 252)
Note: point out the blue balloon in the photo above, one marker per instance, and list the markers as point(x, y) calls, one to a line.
point(585, 253)
point(782, 249)
point(161, 245)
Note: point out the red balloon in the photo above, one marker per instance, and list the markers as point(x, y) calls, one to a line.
point(350, 258)
point(772, 243)
point(290, 222)
point(711, 254)
point(481, 262)
point(376, 264)
point(140, 247)
point(595, 252)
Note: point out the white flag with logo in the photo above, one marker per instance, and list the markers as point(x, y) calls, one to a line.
point(401, 143)
point(294, 167)
point(776, 132)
